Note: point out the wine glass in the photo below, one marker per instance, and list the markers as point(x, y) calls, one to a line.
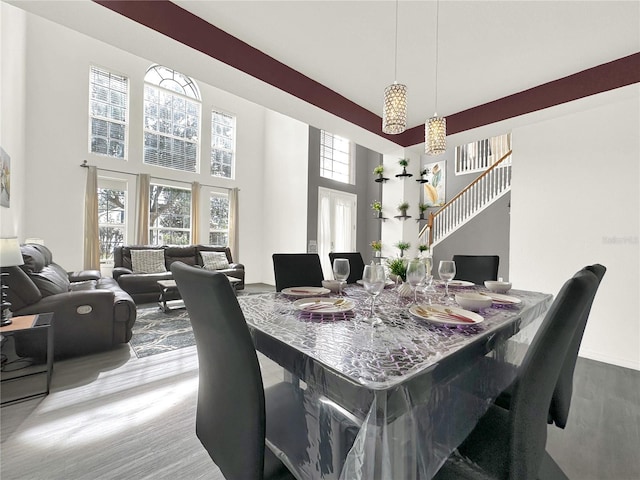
point(446, 271)
point(416, 271)
point(373, 280)
point(341, 271)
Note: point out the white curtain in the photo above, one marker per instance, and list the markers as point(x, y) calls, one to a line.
point(142, 209)
point(91, 237)
point(233, 223)
point(324, 234)
point(195, 213)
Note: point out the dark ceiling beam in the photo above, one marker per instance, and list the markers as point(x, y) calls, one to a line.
point(179, 24)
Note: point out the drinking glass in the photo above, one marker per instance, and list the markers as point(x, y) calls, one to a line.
point(446, 271)
point(416, 272)
point(341, 271)
point(373, 280)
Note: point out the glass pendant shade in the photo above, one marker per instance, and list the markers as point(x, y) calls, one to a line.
point(435, 135)
point(394, 116)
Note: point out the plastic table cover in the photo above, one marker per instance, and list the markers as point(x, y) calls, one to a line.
point(389, 402)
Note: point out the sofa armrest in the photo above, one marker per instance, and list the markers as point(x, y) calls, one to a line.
point(236, 266)
point(84, 275)
point(118, 271)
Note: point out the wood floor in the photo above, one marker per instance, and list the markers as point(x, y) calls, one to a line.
point(114, 416)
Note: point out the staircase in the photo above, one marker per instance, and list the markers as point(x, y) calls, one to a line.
point(477, 196)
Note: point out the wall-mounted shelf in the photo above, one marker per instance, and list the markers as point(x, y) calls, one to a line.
point(381, 179)
point(421, 219)
point(402, 217)
point(404, 174)
point(422, 180)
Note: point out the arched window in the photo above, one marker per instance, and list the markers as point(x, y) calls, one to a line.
point(171, 119)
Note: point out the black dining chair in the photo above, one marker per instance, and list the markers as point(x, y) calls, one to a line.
point(234, 411)
point(510, 444)
point(356, 264)
point(297, 270)
point(476, 268)
point(561, 399)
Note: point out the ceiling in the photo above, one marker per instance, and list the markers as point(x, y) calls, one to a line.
point(487, 50)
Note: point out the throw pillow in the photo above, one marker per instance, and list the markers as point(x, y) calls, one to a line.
point(148, 261)
point(214, 260)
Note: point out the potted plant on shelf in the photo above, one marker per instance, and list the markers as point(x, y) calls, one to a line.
point(404, 163)
point(402, 246)
point(423, 208)
point(377, 207)
point(402, 208)
point(379, 170)
point(376, 245)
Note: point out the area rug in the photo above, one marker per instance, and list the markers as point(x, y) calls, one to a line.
point(157, 332)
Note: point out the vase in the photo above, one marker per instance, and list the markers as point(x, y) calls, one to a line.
point(405, 290)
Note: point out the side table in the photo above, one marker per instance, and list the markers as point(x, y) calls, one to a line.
point(27, 357)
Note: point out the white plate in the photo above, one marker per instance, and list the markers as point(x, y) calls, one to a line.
point(441, 316)
point(323, 305)
point(456, 284)
point(500, 299)
point(388, 283)
point(305, 291)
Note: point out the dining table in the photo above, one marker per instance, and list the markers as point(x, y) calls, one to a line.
point(388, 401)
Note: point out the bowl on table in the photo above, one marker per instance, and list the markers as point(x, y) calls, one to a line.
point(333, 285)
point(473, 301)
point(497, 286)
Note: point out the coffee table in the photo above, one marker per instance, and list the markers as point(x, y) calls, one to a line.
point(170, 296)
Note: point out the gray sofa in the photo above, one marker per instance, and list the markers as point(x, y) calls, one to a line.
point(91, 313)
point(143, 287)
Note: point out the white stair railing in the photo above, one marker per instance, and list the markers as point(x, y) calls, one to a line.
point(478, 195)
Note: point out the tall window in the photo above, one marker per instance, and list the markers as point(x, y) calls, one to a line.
point(108, 113)
point(335, 158)
point(169, 215)
point(112, 220)
point(223, 128)
point(219, 220)
point(171, 119)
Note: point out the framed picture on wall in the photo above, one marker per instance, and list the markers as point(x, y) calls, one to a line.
point(5, 178)
point(434, 192)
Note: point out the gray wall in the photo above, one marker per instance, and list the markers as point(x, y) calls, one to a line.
point(368, 228)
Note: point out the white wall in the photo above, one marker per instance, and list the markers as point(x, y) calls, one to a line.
point(12, 99)
point(284, 207)
point(576, 201)
point(58, 61)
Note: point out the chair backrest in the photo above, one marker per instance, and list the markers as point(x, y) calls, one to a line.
point(539, 374)
point(356, 264)
point(561, 400)
point(230, 418)
point(476, 268)
point(297, 270)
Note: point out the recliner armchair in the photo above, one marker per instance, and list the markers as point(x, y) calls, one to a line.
point(91, 313)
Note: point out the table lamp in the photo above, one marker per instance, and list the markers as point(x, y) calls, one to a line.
point(10, 256)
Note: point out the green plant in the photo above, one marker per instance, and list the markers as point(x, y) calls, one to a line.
point(423, 172)
point(378, 170)
point(402, 246)
point(376, 245)
point(403, 207)
point(398, 267)
point(423, 248)
point(404, 162)
point(422, 207)
point(377, 206)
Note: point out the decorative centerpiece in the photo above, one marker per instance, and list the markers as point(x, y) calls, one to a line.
point(423, 176)
point(398, 273)
point(423, 208)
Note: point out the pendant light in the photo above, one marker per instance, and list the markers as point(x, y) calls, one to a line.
point(435, 128)
point(394, 112)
